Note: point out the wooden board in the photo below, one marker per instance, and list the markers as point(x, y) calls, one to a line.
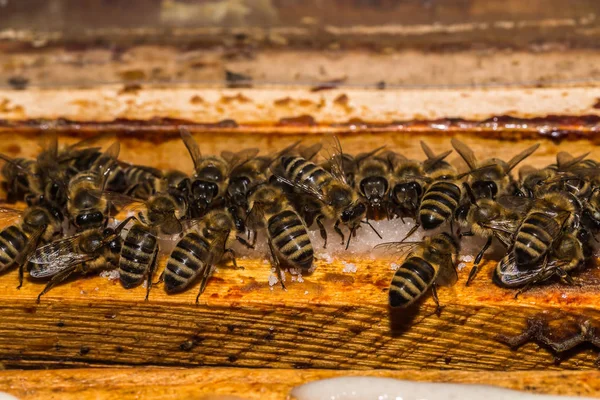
point(256, 384)
point(331, 320)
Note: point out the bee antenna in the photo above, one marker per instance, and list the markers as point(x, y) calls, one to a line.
point(372, 227)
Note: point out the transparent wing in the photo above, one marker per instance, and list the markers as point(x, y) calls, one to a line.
point(520, 157)
point(506, 226)
point(510, 275)
point(256, 216)
point(239, 158)
point(565, 160)
point(121, 201)
point(517, 204)
point(55, 257)
point(191, 145)
point(30, 246)
point(88, 142)
point(465, 152)
point(400, 249)
point(306, 189)
point(431, 161)
point(310, 152)
point(333, 153)
point(22, 169)
point(361, 157)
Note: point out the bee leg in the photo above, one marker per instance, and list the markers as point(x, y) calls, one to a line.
point(322, 230)
point(478, 260)
point(277, 265)
point(336, 228)
point(231, 254)
point(438, 307)
point(244, 242)
point(410, 233)
point(204, 281)
point(56, 279)
point(564, 276)
point(151, 273)
point(161, 278)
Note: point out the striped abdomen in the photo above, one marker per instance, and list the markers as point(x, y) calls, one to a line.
point(186, 261)
point(533, 239)
point(297, 169)
point(290, 238)
point(438, 204)
point(137, 254)
point(410, 281)
point(12, 243)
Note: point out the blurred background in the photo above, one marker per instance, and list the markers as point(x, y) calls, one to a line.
point(380, 43)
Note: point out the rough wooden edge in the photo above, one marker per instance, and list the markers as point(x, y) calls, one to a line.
point(257, 384)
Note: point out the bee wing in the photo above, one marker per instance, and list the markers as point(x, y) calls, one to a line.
point(9, 216)
point(306, 189)
point(505, 226)
point(121, 201)
point(333, 153)
point(400, 249)
point(239, 158)
point(191, 145)
point(512, 163)
point(512, 276)
point(517, 204)
point(465, 152)
point(88, 142)
point(310, 152)
point(32, 241)
point(256, 216)
point(447, 275)
point(365, 156)
point(22, 169)
point(49, 145)
point(55, 257)
point(427, 150)
point(565, 160)
point(431, 161)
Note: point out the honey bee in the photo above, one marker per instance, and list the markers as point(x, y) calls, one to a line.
point(372, 177)
point(429, 263)
point(163, 211)
point(24, 231)
point(495, 179)
point(490, 219)
point(567, 254)
point(85, 208)
point(138, 256)
point(200, 249)
point(287, 234)
point(328, 193)
point(549, 216)
point(19, 177)
point(410, 179)
point(210, 178)
point(92, 250)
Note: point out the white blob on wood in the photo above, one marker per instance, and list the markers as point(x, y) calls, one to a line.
point(375, 388)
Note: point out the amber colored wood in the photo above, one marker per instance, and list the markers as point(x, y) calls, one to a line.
point(331, 320)
point(257, 384)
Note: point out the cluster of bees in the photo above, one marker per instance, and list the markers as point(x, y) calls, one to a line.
point(545, 219)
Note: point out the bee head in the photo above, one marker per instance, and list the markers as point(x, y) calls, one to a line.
point(354, 213)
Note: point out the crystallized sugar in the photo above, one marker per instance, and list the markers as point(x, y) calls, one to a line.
point(273, 280)
point(112, 275)
point(394, 266)
point(349, 267)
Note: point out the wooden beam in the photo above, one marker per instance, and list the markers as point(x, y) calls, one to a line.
point(257, 384)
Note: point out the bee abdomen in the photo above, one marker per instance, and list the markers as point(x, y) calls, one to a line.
point(137, 254)
point(185, 262)
point(438, 204)
point(300, 170)
point(290, 238)
point(533, 241)
point(410, 281)
point(12, 242)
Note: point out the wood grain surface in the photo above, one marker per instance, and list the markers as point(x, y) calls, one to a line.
point(256, 384)
point(331, 320)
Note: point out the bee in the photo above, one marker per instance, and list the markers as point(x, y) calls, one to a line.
point(200, 249)
point(429, 262)
point(92, 250)
point(287, 234)
point(163, 211)
point(410, 179)
point(549, 216)
point(85, 208)
point(490, 219)
point(24, 231)
point(19, 177)
point(328, 193)
point(567, 254)
point(493, 180)
point(138, 256)
point(210, 178)
point(373, 181)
